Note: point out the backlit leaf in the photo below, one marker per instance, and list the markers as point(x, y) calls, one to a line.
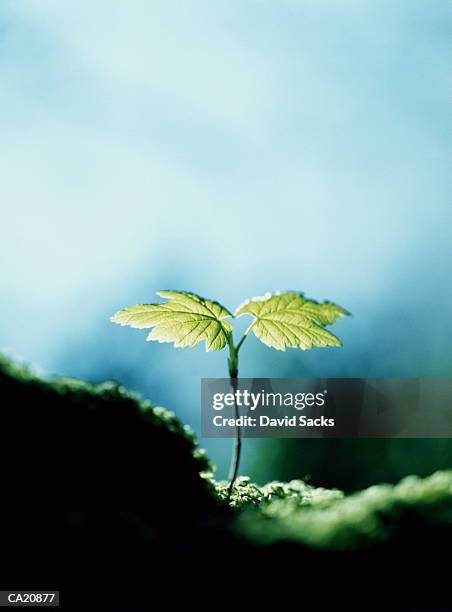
point(185, 319)
point(289, 320)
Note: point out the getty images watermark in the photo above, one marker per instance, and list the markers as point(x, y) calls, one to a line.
point(339, 408)
point(252, 400)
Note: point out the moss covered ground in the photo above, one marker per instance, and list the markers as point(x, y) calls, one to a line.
point(107, 495)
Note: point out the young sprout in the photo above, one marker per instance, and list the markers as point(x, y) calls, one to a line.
point(280, 320)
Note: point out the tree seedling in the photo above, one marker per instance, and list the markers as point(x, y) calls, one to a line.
point(280, 320)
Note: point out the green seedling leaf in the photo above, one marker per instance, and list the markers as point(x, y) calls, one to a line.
point(185, 319)
point(289, 320)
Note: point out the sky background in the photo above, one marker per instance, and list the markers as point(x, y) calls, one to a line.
point(228, 148)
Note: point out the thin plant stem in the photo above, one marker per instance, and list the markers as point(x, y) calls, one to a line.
point(237, 447)
point(233, 363)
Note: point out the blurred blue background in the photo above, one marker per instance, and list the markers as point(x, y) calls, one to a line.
point(229, 149)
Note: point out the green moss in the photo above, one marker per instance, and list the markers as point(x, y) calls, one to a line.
point(246, 494)
point(329, 520)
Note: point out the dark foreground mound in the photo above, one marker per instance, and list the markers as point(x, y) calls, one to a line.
point(93, 479)
point(108, 500)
